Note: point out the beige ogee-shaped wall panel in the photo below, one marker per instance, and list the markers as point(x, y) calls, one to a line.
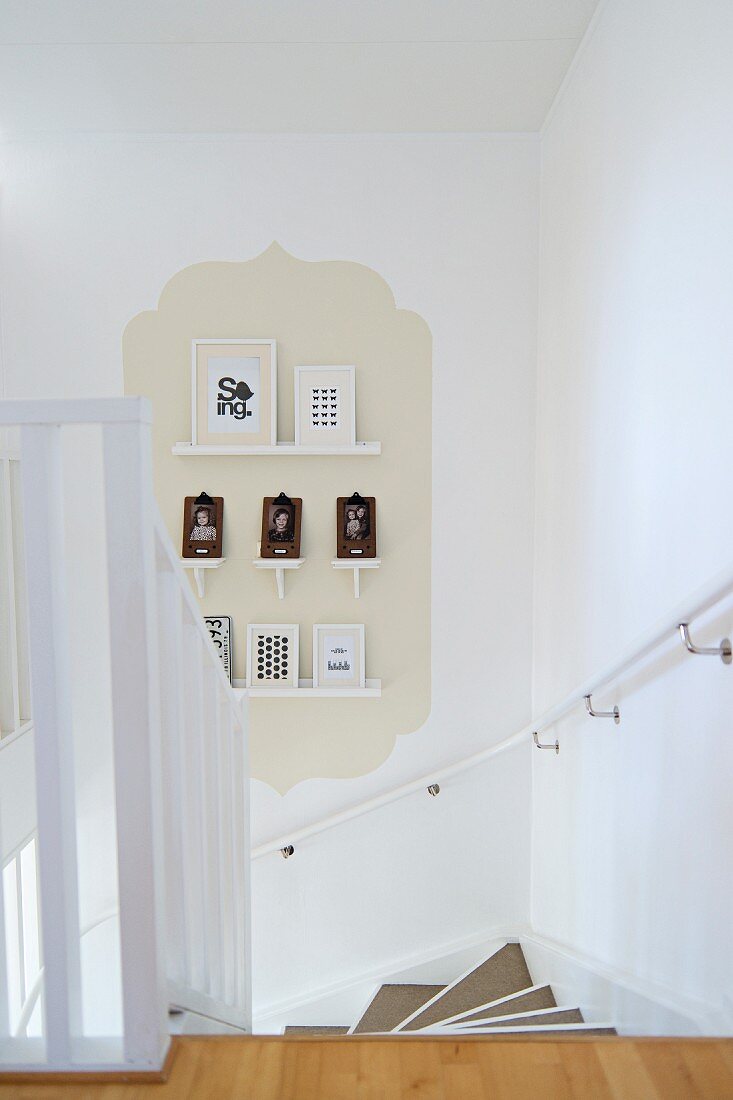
point(330, 312)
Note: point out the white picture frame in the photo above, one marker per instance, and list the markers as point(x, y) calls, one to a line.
point(339, 643)
point(273, 655)
point(325, 406)
point(209, 355)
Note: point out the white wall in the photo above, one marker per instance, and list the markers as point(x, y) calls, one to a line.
point(418, 877)
point(632, 828)
point(93, 228)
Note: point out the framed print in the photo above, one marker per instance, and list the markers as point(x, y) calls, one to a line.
point(203, 519)
point(338, 655)
point(272, 655)
point(356, 527)
point(220, 632)
point(281, 527)
point(325, 406)
point(234, 392)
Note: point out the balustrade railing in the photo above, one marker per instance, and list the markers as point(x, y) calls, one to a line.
point(141, 778)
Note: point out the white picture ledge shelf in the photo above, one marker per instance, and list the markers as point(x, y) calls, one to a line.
point(198, 568)
point(357, 565)
point(275, 449)
point(279, 565)
point(305, 690)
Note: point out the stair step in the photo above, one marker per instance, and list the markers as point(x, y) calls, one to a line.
point(503, 973)
point(562, 1016)
point(571, 1030)
point(528, 1000)
point(392, 1004)
point(326, 1029)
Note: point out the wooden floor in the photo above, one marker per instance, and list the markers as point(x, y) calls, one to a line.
point(233, 1068)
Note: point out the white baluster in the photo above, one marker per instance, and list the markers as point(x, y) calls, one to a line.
point(21, 594)
point(136, 725)
point(241, 871)
point(193, 811)
point(170, 624)
point(42, 482)
point(9, 674)
point(227, 930)
point(4, 989)
point(212, 864)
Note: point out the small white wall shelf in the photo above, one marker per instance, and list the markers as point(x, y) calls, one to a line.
point(305, 690)
point(357, 566)
point(279, 565)
point(198, 568)
point(276, 449)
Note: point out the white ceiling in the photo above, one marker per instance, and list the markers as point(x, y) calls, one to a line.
point(329, 66)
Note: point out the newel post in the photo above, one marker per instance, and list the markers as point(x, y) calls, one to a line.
point(136, 730)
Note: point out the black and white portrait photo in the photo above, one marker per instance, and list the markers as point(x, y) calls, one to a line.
point(281, 527)
point(356, 521)
point(202, 526)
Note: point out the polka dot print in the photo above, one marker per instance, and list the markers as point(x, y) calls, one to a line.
point(272, 657)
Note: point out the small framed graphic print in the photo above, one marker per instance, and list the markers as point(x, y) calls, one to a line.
point(325, 406)
point(234, 392)
point(356, 527)
point(281, 517)
point(338, 655)
point(203, 519)
point(272, 655)
point(220, 632)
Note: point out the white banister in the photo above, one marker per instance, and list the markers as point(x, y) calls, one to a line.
point(55, 413)
point(48, 616)
point(663, 631)
point(177, 736)
point(135, 717)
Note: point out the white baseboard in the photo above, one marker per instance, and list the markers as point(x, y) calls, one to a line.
point(636, 1006)
point(633, 1005)
point(378, 975)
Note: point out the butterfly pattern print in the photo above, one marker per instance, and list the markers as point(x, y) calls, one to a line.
point(325, 408)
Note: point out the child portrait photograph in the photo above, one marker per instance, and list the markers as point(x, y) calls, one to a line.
point(281, 518)
point(202, 526)
point(356, 527)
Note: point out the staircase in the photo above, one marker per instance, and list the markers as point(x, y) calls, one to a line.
point(496, 997)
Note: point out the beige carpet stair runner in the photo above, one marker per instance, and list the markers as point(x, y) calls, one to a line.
point(562, 1016)
point(531, 1000)
point(316, 1030)
point(495, 997)
point(504, 973)
point(392, 1004)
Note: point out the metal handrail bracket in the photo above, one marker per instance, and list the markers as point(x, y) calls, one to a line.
point(536, 739)
point(615, 713)
point(724, 650)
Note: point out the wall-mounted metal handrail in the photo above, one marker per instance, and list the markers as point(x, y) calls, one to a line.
point(615, 713)
point(724, 650)
point(666, 628)
point(536, 739)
